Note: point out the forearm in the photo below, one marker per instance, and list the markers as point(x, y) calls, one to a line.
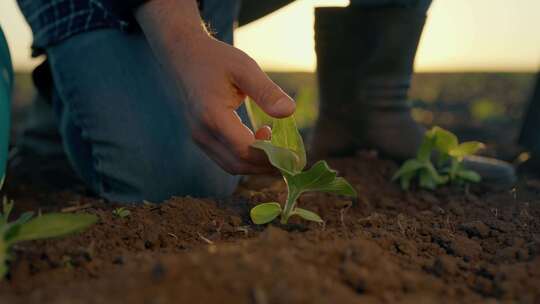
point(171, 26)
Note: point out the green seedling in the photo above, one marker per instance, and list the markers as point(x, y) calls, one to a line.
point(286, 152)
point(421, 167)
point(121, 212)
point(28, 228)
point(452, 154)
point(449, 153)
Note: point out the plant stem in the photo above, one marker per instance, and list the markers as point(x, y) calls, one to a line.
point(3, 258)
point(292, 196)
point(453, 168)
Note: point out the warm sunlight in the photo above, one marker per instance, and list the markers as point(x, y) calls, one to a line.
point(460, 35)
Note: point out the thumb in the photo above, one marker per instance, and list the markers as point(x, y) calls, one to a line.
point(252, 81)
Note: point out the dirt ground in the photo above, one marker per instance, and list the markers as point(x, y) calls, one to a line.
point(455, 245)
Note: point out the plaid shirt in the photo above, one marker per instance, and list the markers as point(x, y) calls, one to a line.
point(55, 20)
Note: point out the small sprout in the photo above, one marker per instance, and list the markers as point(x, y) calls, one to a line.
point(265, 212)
point(67, 261)
point(121, 212)
point(28, 228)
point(286, 152)
point(148, 203)
point(449, 168)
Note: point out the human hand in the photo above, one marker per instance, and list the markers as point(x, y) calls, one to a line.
point(215, 79)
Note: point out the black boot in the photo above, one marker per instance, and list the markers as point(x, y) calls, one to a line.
point(365, 62)
point(529, 136)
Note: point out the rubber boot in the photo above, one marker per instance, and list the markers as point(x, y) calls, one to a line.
point(365, 62)
point(529, 137)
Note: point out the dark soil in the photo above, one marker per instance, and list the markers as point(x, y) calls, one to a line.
point(454, 245)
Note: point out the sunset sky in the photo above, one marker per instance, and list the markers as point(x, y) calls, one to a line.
point(460, 35)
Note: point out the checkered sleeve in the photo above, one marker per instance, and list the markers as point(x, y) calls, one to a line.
point(52, 21)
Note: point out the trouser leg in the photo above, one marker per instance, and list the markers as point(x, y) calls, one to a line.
point(530, 130)
point(365, 55)
point(123, 122)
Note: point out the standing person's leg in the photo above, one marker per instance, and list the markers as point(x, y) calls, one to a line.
point(529, 136)
point(365, 55)
point(122, 121)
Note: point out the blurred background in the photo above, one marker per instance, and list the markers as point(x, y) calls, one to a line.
point(475, 66)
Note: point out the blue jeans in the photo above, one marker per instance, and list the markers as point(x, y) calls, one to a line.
point(123, 124)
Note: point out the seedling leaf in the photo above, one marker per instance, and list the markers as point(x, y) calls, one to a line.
point(317, 176)
point(426, 148)
point(408, 167)
point(13, 228)
point(52, 225)
point(265, 213)
point(285, 134)
point(405, 180)
point(444, 140)
point(24, 218)
point(339, 186)
point(437, 178)
point(469, 175)
point(426, 180)
point(121, 212)
point(281, 158)
point(256, 115)
point(465, 149)
point(308, 215)
point(320, 177)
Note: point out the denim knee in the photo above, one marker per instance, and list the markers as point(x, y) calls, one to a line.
point(157, 175)
point(138, 164)
point(124, 125)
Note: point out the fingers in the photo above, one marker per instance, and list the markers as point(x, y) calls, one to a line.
point(238, 137)
point(269, 96)
point(264, 133)
point(224, 157)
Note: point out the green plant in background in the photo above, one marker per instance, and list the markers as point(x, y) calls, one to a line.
point(452, 154)
point(444, 146)
point(286, 152)
point(421, 167)
point(28, 228)
point(121, 212)
point(486, 109)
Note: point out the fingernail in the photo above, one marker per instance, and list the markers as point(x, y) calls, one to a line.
point(284, 105)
